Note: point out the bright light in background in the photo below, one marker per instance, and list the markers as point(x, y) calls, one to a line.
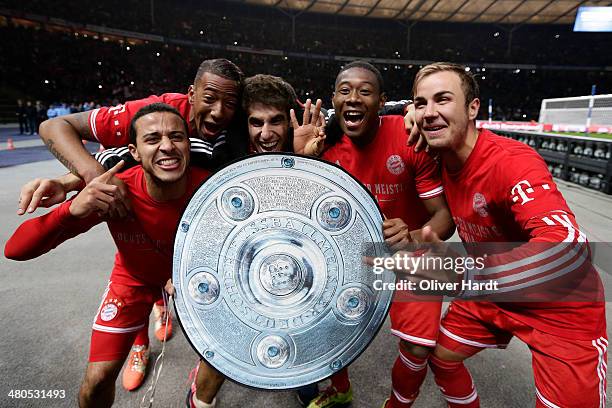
point(594, 19)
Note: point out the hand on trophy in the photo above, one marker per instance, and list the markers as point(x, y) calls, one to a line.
point(424, 260)
point(309, 137)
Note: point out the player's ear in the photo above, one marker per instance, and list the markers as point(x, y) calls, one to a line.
point(473, 108)
point(382, 100)
point(190, 94)
point(134, 152)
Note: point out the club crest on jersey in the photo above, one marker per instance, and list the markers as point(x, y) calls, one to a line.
point(479, 203)
point(110, 309)
point(395, 164)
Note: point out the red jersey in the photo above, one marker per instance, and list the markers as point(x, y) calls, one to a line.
point(145, 241)
point(392, 171)
point(111, 125)
point(505, 193)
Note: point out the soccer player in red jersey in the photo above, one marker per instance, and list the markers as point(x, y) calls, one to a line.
point(500, 190)
point(408, 189)
point(209, 107)
point(158, 189)
point(267, 101)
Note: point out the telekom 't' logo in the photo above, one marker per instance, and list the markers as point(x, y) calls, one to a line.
point(520, 193)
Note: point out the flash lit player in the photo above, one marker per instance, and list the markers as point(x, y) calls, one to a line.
point(159, 189)
point(500, 190)
point(408, 189)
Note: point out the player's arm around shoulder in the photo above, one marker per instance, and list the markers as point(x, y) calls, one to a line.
point(428, 182)
point(63, 137)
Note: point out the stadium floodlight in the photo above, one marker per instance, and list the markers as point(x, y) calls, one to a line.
point(594, 19)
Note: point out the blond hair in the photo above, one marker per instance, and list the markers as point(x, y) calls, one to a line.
point(468, 82)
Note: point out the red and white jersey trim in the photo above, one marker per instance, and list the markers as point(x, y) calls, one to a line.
point(432, 193)
point(563, 258)
point(92, 123)
point(601, 344)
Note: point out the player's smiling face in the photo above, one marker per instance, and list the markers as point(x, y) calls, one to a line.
point(214, 101)
point(441, 111)
point(268, 128)
point(357, 99)
point(162, 146)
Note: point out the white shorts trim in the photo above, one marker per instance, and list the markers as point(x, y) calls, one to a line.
point(413, 339)
point(453, 336)
point(544, 400)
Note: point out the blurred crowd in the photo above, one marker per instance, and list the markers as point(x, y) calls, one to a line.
point(30, 114)
point(42, 63)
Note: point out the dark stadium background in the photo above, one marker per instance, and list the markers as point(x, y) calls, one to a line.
point(101, 53)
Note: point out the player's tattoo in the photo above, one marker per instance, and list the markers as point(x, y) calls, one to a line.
point(61, 158)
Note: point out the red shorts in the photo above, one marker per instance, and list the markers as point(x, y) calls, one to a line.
point(416, 322)
point(123, 312)
point(567, 372)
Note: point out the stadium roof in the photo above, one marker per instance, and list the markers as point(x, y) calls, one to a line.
point(466, 11)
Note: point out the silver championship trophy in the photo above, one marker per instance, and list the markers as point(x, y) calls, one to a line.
point(271, 287)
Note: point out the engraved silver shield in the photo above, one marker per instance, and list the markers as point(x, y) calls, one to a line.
point(271, 288)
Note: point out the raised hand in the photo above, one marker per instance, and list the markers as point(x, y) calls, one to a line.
point(309, 137)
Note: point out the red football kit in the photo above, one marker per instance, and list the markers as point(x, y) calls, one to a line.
point(505, 193)
point(143, 262)
point(397, 177)
point(111, 125)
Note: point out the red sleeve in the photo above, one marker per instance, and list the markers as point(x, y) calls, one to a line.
point(556, 251)
point(530, 189)
point(426, 176)
point(39, 235)
point(111, 125)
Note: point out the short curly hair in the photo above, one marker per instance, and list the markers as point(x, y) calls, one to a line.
point(268, 90)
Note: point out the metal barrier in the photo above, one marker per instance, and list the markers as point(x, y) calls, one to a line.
point(581, 160)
